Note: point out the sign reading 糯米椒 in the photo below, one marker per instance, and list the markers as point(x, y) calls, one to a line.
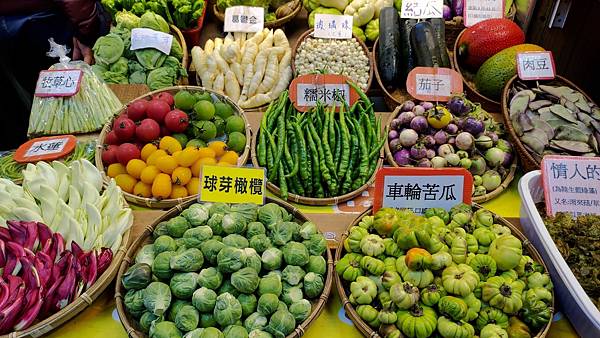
point(536, 66)
point(58, 82)
point(232, 184)
point(330, 26)
point(244, 19)
point(476, 11)
point(419, 189)
point(571, 184)
point(422, 9)
point(327, 89)
point(433, 83)
point(149, 38)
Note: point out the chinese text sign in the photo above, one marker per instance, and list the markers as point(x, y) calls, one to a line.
point(433, 84)
point(47, 147)
point(244, 19)
point(329, 26)
point(476, 11)
point(327, 89)
point(232, 185)
point(64, 82)
point(422, 9)
point(571, 184)
point(149, 38)
point(536, 66)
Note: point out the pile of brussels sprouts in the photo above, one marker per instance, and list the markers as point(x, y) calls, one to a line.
point(220, 270)
point(449, 274)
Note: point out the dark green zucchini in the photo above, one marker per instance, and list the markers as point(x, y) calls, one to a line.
point(407, 50)
point(388, 49)
point(427, 51)
point(440, 36)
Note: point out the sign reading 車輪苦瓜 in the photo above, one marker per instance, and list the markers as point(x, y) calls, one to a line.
point(232, 184)
point(58, 82)
point(326, 89)
point(244, 19)
point(330, 26)
point(422, 9)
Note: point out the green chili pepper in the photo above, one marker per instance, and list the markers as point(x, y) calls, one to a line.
point(271, 147)
point(345, 148)
point(282, 183)
point(327, 149)
point(303, 159)
point(347, 185)
point(331, 184)
point(338, 145)
point(316, 171)
point(363, 166)
point(332, 124)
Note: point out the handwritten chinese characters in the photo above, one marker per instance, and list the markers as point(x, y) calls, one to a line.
point(536, 66)
point(309, 94)
point(478, 10)
point(47, 147)
point(421, 9)
point(433, 84)
point(58, 82)
point(244, 19)
point(232, 185)
point(329, 26)
point(149, 38)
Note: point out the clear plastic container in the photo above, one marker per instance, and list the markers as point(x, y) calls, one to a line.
point(573, 300)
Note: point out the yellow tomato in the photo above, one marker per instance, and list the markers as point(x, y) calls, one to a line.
point(219, 147)
point(166, 164)
point(196, 168)
point(135, 167)
point(179, 191)
point(170, 144)
point(224, 164)
point(149, 174)
point(161, 187)
point(147, 150)
point(115, 169)
point(207, 152)
point(181, 176)
point(142, 189)
point(151, 160)
point(126, 182)
point(193, 186)
point(188, 157)
point(230, 157)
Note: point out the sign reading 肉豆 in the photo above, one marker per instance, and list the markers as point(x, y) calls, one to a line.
point(571, 184)
point(327, 89)
point(536, 65)
point(58, 82)
point(244, 19)
point(422, 9)
point(328, 26)
point(476, 11)
point(232, 184)
point(419, 189)
point(149, 38)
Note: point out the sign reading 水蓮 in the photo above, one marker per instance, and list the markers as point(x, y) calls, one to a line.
point(330, 26)
point(422, 9)
point(536, 65)
point(45, 148)
point(476, 11)
point(571, 184)
point(149, 38)
point(419, 189)
point(244, 19)
point(433, 83)
point(232, 184)
point(327, 89)
point(58, 82)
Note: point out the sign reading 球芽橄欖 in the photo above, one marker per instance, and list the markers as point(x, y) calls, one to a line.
point(149, 38)
point(58, 82)
point(232, 184)
point(328, 26)
point(571, 184)
point(327, 89)
point(433, 83)
point(536, 65)
point(244, 19)
point(476, 11)
point(422, 9)
point(419, 189)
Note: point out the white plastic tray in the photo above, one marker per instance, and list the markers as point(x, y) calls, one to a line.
point(573, 300)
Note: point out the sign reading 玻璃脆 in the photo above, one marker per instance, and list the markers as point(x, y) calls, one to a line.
point(571, 184)
point(244, 19)
point(149, 38)
point(422, 188)
point(536, 65)
point(328, 26)
point(476, 11)
point(422, 9)
point(232, 184)
point(58, 82)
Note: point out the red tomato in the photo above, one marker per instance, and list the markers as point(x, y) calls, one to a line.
point(167, 97)
point(148, 130)
point(137, 110)
point(125, 130)
point(109, 155)
point(118, 119)
point(177, 121)
point(157, 109)
point(127, 152)
point(111, 138)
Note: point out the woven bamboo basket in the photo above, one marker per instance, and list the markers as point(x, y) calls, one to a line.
point(316, 201)
point(476, 199)
point(528, 161)
point(271, 24)
point(146, 238)
point(309, 33)
point(367, 331)
point(168, 203)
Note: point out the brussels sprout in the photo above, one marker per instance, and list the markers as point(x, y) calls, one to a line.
point(207, 320)
point(283, 232)
point(180, 242)
point(164, 243)
point(300, 310)
point(255, 228)
point(160, 230)
point(234, 223)
point(235, 331)
point(316, 245)
point(236, 241)
point(313, 285)
point(145, 255)
point(270, 283)
point(271, 258)
point(295, 253)
point(210, 278)
point(194, 333)
point(187, 318)
point(157, 298)
point(281, 324)
point(230, 259)
point(177, 226)
point(162, 265)
point(249, 303)
point(255, 321)
point(195, 237)
point(176, 305)
point(196, 214)
point(267, 304)
point(146, 320)
point(137, 277)
point(270, 214)
point(187, 261)
point(204, 299)
point(292, 274)
point(215, 223)
point(260, 243)
point(134, 302)
point(219, 208)
point(317, 265)
point(183, 284)
point(165, 330)
point(228, 310)
point(211, 332)
point(282, 306)
point(245, 280)
point(210, 249)
point(259, 334)
point(291, 294)
point(248, 211)
point(308, 229)
point(253, 260)
point(227, 287)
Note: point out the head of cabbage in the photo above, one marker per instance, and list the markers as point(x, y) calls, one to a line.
point(108, 49)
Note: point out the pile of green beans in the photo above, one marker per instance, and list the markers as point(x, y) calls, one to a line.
point(320, 153)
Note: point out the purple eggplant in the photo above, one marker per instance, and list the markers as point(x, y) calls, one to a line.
point(418, 151)
point(424, 163)
point(458, 7)
point(405, 118)
point(447, 13)
point(419, 124)
point(440, 137)
point(451, 129)
point(407, 106)
point(402, 157)
point(395, 124)
point(395, 145)
point(457, 106)
point(428, 141)
point(392, 135)
point(473, 126)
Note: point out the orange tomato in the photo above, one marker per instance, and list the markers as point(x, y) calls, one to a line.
point(147, 150)
point(181, 176)
point(142, 189)
point(219, 147)
point(149, 174)
point(193, 186)
point(126, 182)
point(161, 187)
point(179, 192)
point(170, 144)
point(230, 157)
point(135, 167)
point(207, 152)
point(151, 160)
point(188, 157)
point(224, 164)
point(166, 164)
point(115, 169)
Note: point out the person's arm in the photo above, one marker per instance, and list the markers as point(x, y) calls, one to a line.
point(85, 18)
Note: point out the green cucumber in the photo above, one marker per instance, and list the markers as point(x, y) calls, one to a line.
point(388, 52)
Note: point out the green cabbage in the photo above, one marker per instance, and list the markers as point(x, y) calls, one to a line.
point(160, 78)
point(127, 20)
point(108, 49)
point(121, 66)
point(154, 21)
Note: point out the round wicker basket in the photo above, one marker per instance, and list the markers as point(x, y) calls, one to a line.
point(270, 24)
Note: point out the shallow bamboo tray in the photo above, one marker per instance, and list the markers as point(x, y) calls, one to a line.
point(528, 161)
point(271, 24)
point(367, 331)
point(146, 238)
point(309, 32)
point(476, 199)
point(170, 202)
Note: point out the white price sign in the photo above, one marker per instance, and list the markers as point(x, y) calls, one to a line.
point(536, 66)
point(422, 9)
point(47, 147)
point(476, 11)
point(244, 19)
point(329, 26)
point(309, 94)
point(149, 38)
point(63, 82)
point(433, 84)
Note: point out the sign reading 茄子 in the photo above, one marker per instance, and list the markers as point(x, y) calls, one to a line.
point(327, 89)
point(232, 185)
point(433, 83)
